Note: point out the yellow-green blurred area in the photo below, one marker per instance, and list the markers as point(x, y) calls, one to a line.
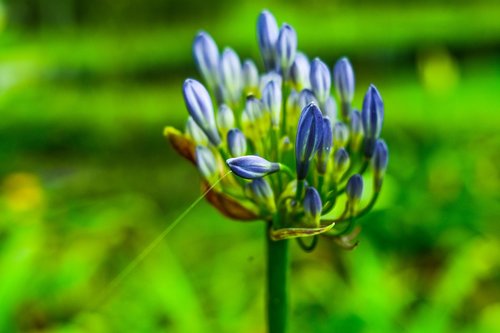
point(87, 181)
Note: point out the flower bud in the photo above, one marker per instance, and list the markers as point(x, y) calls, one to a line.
point(343, 76)
point(330, 109)
point(253, 108)
point(299, 72)
point(286, 48)
point(200, 107)
point(236, 142)
point(252, 166)
point(195, 133)
point(341, 163)
point(340, 134)
point(312, 206)
point(262, 194)
point(379, 162)
point(309, 135)
point(250, 76)
point(306, 97)
point(225, 119)
point(372, 115)
point(354, 188)
point(207, 164)
point(267, 36)
point(268, 77)
point(206, 57)
point(271, 100)
point(356, 130)
point(325, 146)
point(321, 80)
point(231, 75)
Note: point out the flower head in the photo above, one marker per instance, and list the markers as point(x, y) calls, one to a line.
point(269, 127)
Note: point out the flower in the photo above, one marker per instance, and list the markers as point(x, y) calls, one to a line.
point(270, 126)
point(252, 166)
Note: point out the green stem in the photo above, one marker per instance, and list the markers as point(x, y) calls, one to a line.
point(277, 284)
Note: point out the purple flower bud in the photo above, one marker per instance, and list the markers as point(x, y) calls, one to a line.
point(206, 56)
point(312, 205)
point(200, 107)
point(341, 162)
point(299, 72)
point(267, 36)
point(354, 188)
point(379, 162)
point(250, 75)
point(236, 142)
point(325, 146)
point(271, 100)
point(372, 115)
point(262, 193)
point(321, 80)
point(225, 118)
point(343, 76)
point(309, 135)
point(252, 166)
point(340, 134)
point(206, 162)
point(306, 97)
point(231, 75)
point(195, 133)
point(286, 48)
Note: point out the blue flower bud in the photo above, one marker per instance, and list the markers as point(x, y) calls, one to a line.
point(236, 142)
point(372, 115)
point(266, 78)
point(200, 107)
point(341, 163)
point(225, 119)
point(271, 100)
point(253, 108)
point(312, 206)
point(231, 75)
point(267, 36)
point(195, 133)
point(330, 109)
point(206, 56)
point(299, 72)
point(286, 48)
point(252, 166)
point(306, 97)
point(325, 146)
point(321, 80)
point(340, 134)
point(250, 76)
point(309, 135)
point(354, 188)
point(262, 194)
point(379, 162)
point(207, 164)
point(343, 76)
point(356, 130)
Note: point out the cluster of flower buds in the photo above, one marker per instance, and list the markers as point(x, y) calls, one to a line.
point(293, 157)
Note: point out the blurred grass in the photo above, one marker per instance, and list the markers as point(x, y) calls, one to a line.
point(87, 180)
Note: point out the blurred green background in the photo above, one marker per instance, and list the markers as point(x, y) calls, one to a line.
point(87, 180)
